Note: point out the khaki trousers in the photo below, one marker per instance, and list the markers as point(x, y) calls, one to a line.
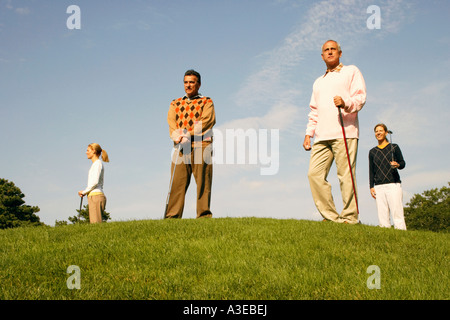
point(322, 155)
point(97, 204)
point(196, 162)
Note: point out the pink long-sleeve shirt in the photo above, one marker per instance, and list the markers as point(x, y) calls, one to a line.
point(324, 122)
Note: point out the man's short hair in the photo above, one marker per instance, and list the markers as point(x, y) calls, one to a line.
point(337, 44)
point(192, 72)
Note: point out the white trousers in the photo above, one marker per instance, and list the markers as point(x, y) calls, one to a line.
point(389, 198)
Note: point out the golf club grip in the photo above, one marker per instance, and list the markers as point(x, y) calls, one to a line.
point(342, 122)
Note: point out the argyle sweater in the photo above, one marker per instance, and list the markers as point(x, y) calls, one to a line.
point(380, 171)
point(193, 118)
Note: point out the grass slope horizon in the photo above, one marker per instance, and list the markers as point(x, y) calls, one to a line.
point(223, 259)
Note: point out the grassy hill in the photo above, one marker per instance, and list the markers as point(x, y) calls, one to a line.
point(223, 258)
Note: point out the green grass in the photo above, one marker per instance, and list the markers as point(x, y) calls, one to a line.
point(229, 258)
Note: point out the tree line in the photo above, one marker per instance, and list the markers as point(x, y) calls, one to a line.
point(15, 213)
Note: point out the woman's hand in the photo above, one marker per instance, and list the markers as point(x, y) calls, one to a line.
point(373, 193)
point(394, 165)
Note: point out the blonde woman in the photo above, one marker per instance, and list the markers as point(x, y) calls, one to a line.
point(94, 189)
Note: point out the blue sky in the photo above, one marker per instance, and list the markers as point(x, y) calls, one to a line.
point(111, 82)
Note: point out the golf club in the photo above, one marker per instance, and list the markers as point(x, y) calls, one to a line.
point(171, 179)
point(392, 146)
point(348, 159)
point(79, 212)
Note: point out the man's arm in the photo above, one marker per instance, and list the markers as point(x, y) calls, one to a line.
point(312, 123)
point(357, 93)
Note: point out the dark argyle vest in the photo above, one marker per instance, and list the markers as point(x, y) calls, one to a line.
point(380, 159)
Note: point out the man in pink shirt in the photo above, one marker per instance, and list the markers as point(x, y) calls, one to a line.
point(340, 87)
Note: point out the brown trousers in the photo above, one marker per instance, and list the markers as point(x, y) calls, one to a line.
point(196, 162)
point(97, 204)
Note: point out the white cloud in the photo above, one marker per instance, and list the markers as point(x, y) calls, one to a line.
point(406, 110)
point(280, 116)
point(421, 180)
point(22, 11)
point(344, 21)
point(8, 4)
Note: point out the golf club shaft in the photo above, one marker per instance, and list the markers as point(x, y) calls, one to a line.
point(348, 159)
point(81, 204)
point(171, 178)
point(392, 146)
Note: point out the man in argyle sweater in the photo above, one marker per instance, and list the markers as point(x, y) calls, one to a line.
point(191, 119)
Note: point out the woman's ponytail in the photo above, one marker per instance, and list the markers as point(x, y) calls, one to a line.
point(98, 150)
point(105, 157)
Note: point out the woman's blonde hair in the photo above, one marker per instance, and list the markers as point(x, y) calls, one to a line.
point(98, 150)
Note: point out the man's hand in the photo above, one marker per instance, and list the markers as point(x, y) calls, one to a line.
point(184, 140)
point(307, 143)
point(339, 102)
point(182, 137)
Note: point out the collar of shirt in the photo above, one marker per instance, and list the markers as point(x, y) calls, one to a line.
point(194, 97)
point(337, 69)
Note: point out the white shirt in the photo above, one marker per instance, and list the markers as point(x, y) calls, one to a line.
point(324, 122)
point(95, 178)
